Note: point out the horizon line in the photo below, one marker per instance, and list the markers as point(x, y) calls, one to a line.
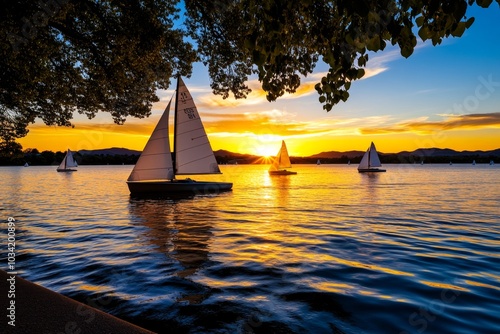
point(315, 154)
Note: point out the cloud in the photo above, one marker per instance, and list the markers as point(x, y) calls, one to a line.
point(255, 97)
point(371, 72)
point(274, 123)
point(129, 128)
point(451, 122)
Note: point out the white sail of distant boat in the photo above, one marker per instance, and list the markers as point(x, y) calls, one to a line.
point(492, 162)
point(157, 167)
point(370, 161)
point(318, 162)
point(26, 164)
point(281, 161)
point(349, 162)
point(473, 162)
point(68, 163)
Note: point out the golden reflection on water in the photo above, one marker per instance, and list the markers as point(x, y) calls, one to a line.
point(443, 285)
point(178, 234)
point(331, 286)
point(483, 285)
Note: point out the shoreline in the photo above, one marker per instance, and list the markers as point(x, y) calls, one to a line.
point(39, 310)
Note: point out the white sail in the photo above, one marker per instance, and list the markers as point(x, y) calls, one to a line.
point(374, 159)
point(364, 161)
point(370, 158)
point(282, 160)
point(68, 161)
point(62, 165)
point(155, 162)
point(193, 153)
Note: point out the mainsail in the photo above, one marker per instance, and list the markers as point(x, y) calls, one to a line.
point(282, 160)
point(193, 153)
point(68, 161)
point(155, 162)
point(370, 159)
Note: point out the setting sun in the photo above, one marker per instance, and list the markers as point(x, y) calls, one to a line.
point(266, 151)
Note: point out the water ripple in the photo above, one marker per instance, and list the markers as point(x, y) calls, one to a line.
point(328, 250)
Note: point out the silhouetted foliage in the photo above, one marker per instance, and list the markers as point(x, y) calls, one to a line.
point(11, 153)
point(60, 57)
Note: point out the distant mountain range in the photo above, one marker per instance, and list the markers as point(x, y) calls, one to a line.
point(111, 151)
point(423, 154)
point(445, 152)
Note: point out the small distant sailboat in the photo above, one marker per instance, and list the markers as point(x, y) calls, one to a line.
point(26, 164)
point(492, 162)
point(156, 167)
point(370, 161)
point(421, 162)
point(68, 163)
point(473, 162)
point(451, 163)
point(349, 162)
point(281, 162)
point(318, 162)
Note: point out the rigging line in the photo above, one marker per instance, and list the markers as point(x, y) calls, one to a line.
point(190, 130)
point(190, 162)
point(193, 147)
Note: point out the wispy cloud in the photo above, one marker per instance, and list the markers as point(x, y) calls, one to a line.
point(451, 122)
point(285, 125)
point(256, 96)
point(130, 128)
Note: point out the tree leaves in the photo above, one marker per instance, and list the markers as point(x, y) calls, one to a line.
point(88, 56)
point(287, 38)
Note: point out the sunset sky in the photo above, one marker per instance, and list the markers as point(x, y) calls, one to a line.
point(446, 96)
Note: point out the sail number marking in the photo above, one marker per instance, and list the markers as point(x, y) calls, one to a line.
point(190, 112)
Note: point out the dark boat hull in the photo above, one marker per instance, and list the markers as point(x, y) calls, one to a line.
point(281, 172)
point(66, 170)
point(173, 187)
point(371, 170)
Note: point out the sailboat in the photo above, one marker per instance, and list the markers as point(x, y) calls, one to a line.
point(281, 162)
point(156, 168)
point(318, 162)
point(68, 163)
point(370, 161)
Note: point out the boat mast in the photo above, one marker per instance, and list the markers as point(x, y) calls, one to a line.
point(174, 156)
point(369, 157)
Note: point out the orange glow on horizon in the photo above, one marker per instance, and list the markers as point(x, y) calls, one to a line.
point(261, 133)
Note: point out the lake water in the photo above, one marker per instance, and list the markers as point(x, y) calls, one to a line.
point(329, 250)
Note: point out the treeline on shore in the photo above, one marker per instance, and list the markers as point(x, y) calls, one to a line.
point(45, 158)
point(384, 158)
